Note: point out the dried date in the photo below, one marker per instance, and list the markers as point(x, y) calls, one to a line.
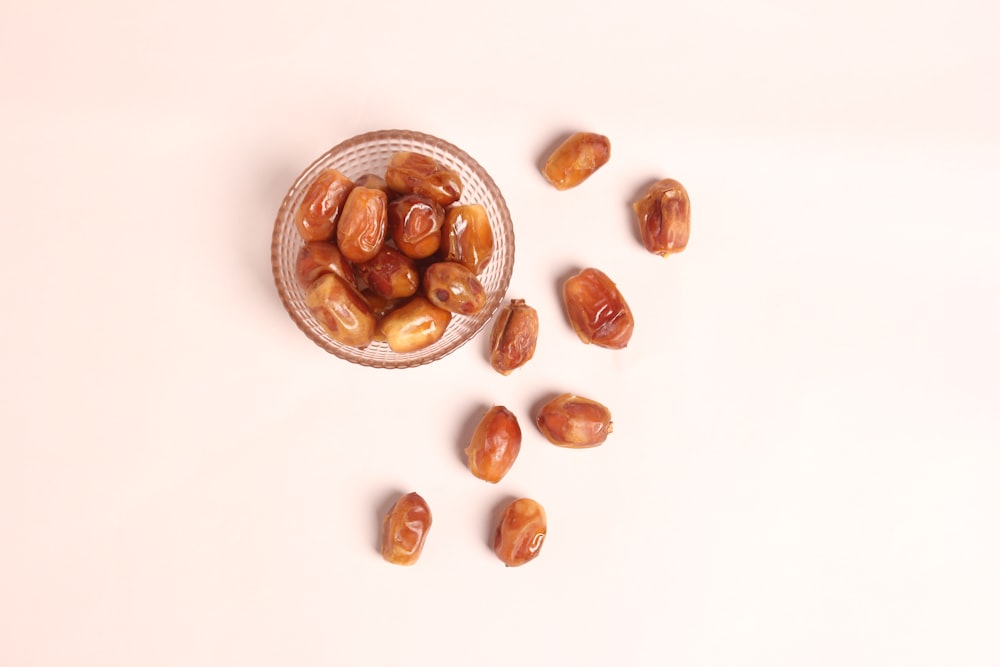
point(415, 173)
point(341, 310)
point(664, 217)
point(572, 421)
point(390, 274)
point(520, 533)
point(316, 217)
point(415, 225)
point(466, 236)
point(361, 230)
point(320, 257)
point(414, 325)
point(495, 444)
point(514, 336)
point(454, 287)
point(597, 311)
point(404, 530)
point(576, 159)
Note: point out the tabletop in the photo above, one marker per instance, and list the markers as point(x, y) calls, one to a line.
point(803, 467)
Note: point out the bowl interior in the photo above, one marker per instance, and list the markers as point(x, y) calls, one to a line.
point(370, 153)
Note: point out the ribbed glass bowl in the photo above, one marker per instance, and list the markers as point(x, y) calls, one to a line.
point(370, 153)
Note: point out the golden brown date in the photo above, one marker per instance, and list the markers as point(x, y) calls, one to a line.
point(597, 311)
point(521, 532)
point(576, 159)
point(415, 225)
point(404, 530)
point(361, 230)
point(341, 310)
point(466, 236)
point(320, 257)
point(373, 181)
point(454, 287)
point(415, 173)
point(390, 274)
point(495, 444)
point(414, 325)
point(664, 217)
point(514, 335)
point(572, 421)
point(316, 217)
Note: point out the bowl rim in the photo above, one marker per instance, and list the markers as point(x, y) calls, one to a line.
point(400, 136)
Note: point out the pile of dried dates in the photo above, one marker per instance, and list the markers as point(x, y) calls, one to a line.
point(594, 306)
point(385, 259)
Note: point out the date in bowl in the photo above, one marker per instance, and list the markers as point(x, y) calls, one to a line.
point(370, 153)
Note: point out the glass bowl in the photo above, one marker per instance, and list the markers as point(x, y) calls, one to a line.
point(370, 153)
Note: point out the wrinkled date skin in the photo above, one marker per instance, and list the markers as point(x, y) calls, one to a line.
point(415, 225)
point(413, 173)
point(521, 532)
point(404, 530)
point(320, 257)
point(343, 312)
point(573, 421)
point(577, 159)
point(390, 274)
point(361, 230)
point(454, 287)
point(414, 325)
point(316, 217)
point(664, 217)
point(466, 236)
point(495, 444)
point(597, 311)
point(514, 336)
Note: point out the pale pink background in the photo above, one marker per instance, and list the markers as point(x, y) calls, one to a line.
point(805, 459)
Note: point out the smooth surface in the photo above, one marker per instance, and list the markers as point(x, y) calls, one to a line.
point(804, 463)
